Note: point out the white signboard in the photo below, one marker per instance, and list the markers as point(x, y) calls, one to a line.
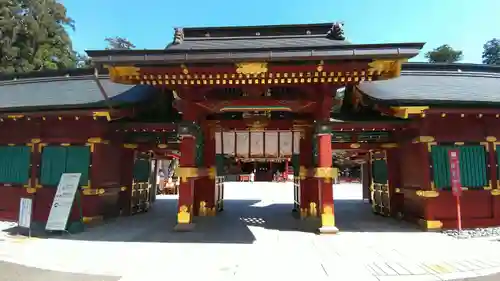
point(25, 209)
point(63, 201)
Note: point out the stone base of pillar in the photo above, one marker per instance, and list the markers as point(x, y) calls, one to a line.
point(184, 227)
point(328, 230)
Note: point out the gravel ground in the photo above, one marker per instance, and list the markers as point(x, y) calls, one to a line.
point(474, 233)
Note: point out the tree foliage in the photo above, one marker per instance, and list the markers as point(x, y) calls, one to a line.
point(33, 36)
point(119, 43)
point(491, 52)
point(444, 54)
point(83, 61)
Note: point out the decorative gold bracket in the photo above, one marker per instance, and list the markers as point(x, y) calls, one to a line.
point(184, 173)
point(212, 173)
point(326, 173)
point(404, 112)
point(423, 139)
point(495, 192)
point(99, 191)
point(427, 193)
point(303, 171)
point(102, 114)
point(254, 68)
point(183, 216)
point(387, 68)
point(431, 225)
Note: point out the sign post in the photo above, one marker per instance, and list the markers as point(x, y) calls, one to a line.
point(456, 186)
point(63, 202)
point(25, 214)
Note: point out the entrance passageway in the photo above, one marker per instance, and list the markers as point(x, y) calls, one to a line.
point(253, 212)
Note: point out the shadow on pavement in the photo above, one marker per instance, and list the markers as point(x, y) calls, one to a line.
point(236, 224)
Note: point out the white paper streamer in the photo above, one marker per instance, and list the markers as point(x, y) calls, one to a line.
point(271, 144)
point(218, 143)
point(257, 143)
point(228, 139)
point(286, 144)
point(242, 143)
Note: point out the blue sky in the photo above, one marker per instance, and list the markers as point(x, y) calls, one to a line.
point(464, 24)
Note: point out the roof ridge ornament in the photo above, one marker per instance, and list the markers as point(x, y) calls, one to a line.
point(178, 35)
point(336, 32)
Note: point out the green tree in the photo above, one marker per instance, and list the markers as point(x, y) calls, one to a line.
point(491, 52)
point(444, 54)
point(83, 61)
point(119, 43)
point(9, 31)
point(33, 36)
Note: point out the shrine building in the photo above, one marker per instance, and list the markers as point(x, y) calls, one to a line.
point(297, 95)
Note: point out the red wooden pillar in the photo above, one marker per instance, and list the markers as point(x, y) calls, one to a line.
point(127, 156)
point(325, 175)
point(305, 161)
point(396, 198)
point(187, 172)
point(206, 204)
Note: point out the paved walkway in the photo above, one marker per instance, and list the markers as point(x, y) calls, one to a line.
point(258, 238)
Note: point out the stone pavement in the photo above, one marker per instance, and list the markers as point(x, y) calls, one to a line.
point(15, 272)
point(256, 237)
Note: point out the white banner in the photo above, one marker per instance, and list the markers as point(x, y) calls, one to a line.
point(286, 144)
point(257, 144)
point(63, 201)
point(296, 142)
point(218, 142)
point(271, 144)
point(228, 139)
point(242, 143)
point(25, 210)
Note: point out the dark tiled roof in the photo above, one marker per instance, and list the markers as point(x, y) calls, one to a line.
point(441, 84)
point(270, 43)
point(257, 42)
point(66, 92)
point(262, 30)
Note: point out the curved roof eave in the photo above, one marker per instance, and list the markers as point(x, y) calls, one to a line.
point(431, 86)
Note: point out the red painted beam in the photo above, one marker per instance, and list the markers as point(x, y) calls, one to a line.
point(143, 126)
point(114, 113)
point(232, 69)
point(367, 126)
point(295, 106)
point(357, 146)
point(245, 124)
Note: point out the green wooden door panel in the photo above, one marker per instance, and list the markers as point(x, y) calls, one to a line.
point(473, 168)
point(53, 165)
point(379, 171)
point(15, 164)
point(473, 164)
point(142, 170)
point(78, 161)
point(440, 166)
